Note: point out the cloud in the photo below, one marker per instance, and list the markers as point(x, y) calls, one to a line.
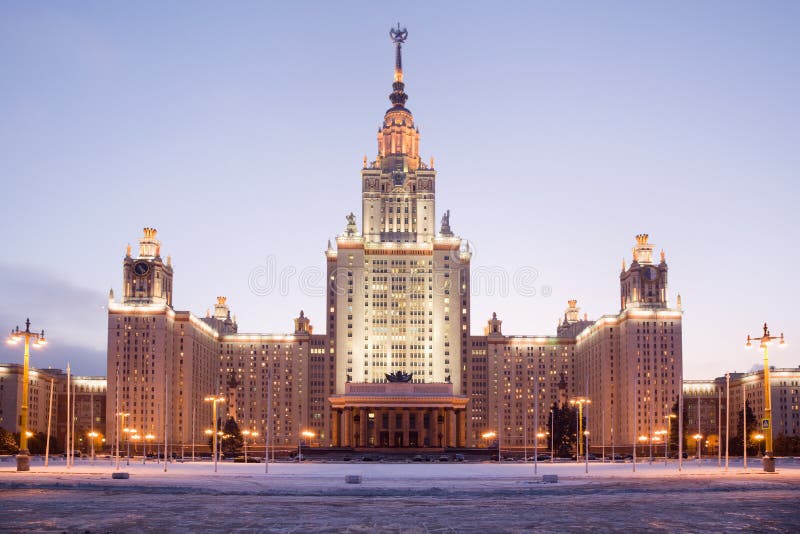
point(74, 319)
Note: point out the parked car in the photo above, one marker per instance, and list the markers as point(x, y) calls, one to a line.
point(674, 455)
point(250, 460)
point(418, 458)
point(458, 457)
point(444, 458)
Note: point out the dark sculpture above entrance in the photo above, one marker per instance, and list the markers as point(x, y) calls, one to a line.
point(399, 376)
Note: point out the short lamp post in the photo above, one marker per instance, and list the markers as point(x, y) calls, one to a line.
point(759, 438)
point(642, 441)
point(305, 434)
point(539, 435)
point(214, 400)
point(150, 438)
point(246, 434)
point(586, 447)
point(664, 434)
point(120, 424)
point(669, 419)
point(128, 433)
point(768, 460)
point(135, 439)
point(489, 435)
point(699, 439)
point(17, 335)
point(93, 436)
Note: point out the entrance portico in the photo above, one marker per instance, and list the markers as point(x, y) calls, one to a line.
point(398, 414)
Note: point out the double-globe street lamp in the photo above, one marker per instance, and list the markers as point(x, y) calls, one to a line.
point(768, 460)
point(17, 335)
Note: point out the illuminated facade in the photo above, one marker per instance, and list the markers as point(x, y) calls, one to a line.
point(705, 404)
point(397, 366)
point(90, 403)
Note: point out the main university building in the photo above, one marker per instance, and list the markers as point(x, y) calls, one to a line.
point(397, 365)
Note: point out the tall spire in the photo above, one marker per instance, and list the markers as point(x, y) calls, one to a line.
point(398, 97)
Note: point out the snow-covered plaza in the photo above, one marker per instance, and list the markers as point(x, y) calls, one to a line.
point(395, 497)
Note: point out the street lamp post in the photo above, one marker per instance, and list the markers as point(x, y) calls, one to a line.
point(642, 439)
point(665, 435)
point(580, 401)
point(586, 437)
point(552, 436)
point(669, 419)
point(148, 437)
point(539, 435)
point(699, 439)
point(759, 438)
point(306, 434)
point(135, 438)
point(121, 418)
point(246, 434)
point(489, 435)
point(128, 432)
point(727, 416)
point(768, 460)
point(214, 400)
point(17, 335)
point(93, 435)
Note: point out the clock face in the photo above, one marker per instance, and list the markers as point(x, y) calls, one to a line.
point(141, 268)
point(398, 178)
point(650, 274)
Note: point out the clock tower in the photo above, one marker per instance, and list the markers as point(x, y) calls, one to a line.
point(147, 279)
point(644, 284)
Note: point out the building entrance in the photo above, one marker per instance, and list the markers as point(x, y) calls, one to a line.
point(398, 415)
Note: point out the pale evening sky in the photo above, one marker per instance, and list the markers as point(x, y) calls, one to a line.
point(560, 130)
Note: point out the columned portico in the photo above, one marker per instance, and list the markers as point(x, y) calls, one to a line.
point(399, 415)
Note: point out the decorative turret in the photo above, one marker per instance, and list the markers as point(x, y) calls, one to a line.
point(147, 279)
point(302, 325)
point(221, 309)
point(148, 245)
point(644, 285)
point(221, 319)
point(572, 325)
point(494, 326)
point(643, 251)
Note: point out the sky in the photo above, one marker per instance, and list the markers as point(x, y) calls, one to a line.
point(559, 131)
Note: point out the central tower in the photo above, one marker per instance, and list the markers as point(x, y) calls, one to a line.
point(398, 299)
point(398, 188)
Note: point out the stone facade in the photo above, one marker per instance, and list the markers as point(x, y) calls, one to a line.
point(90, 403)
point(397, 300)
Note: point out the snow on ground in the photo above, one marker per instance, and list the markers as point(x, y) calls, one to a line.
point(395, 497)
